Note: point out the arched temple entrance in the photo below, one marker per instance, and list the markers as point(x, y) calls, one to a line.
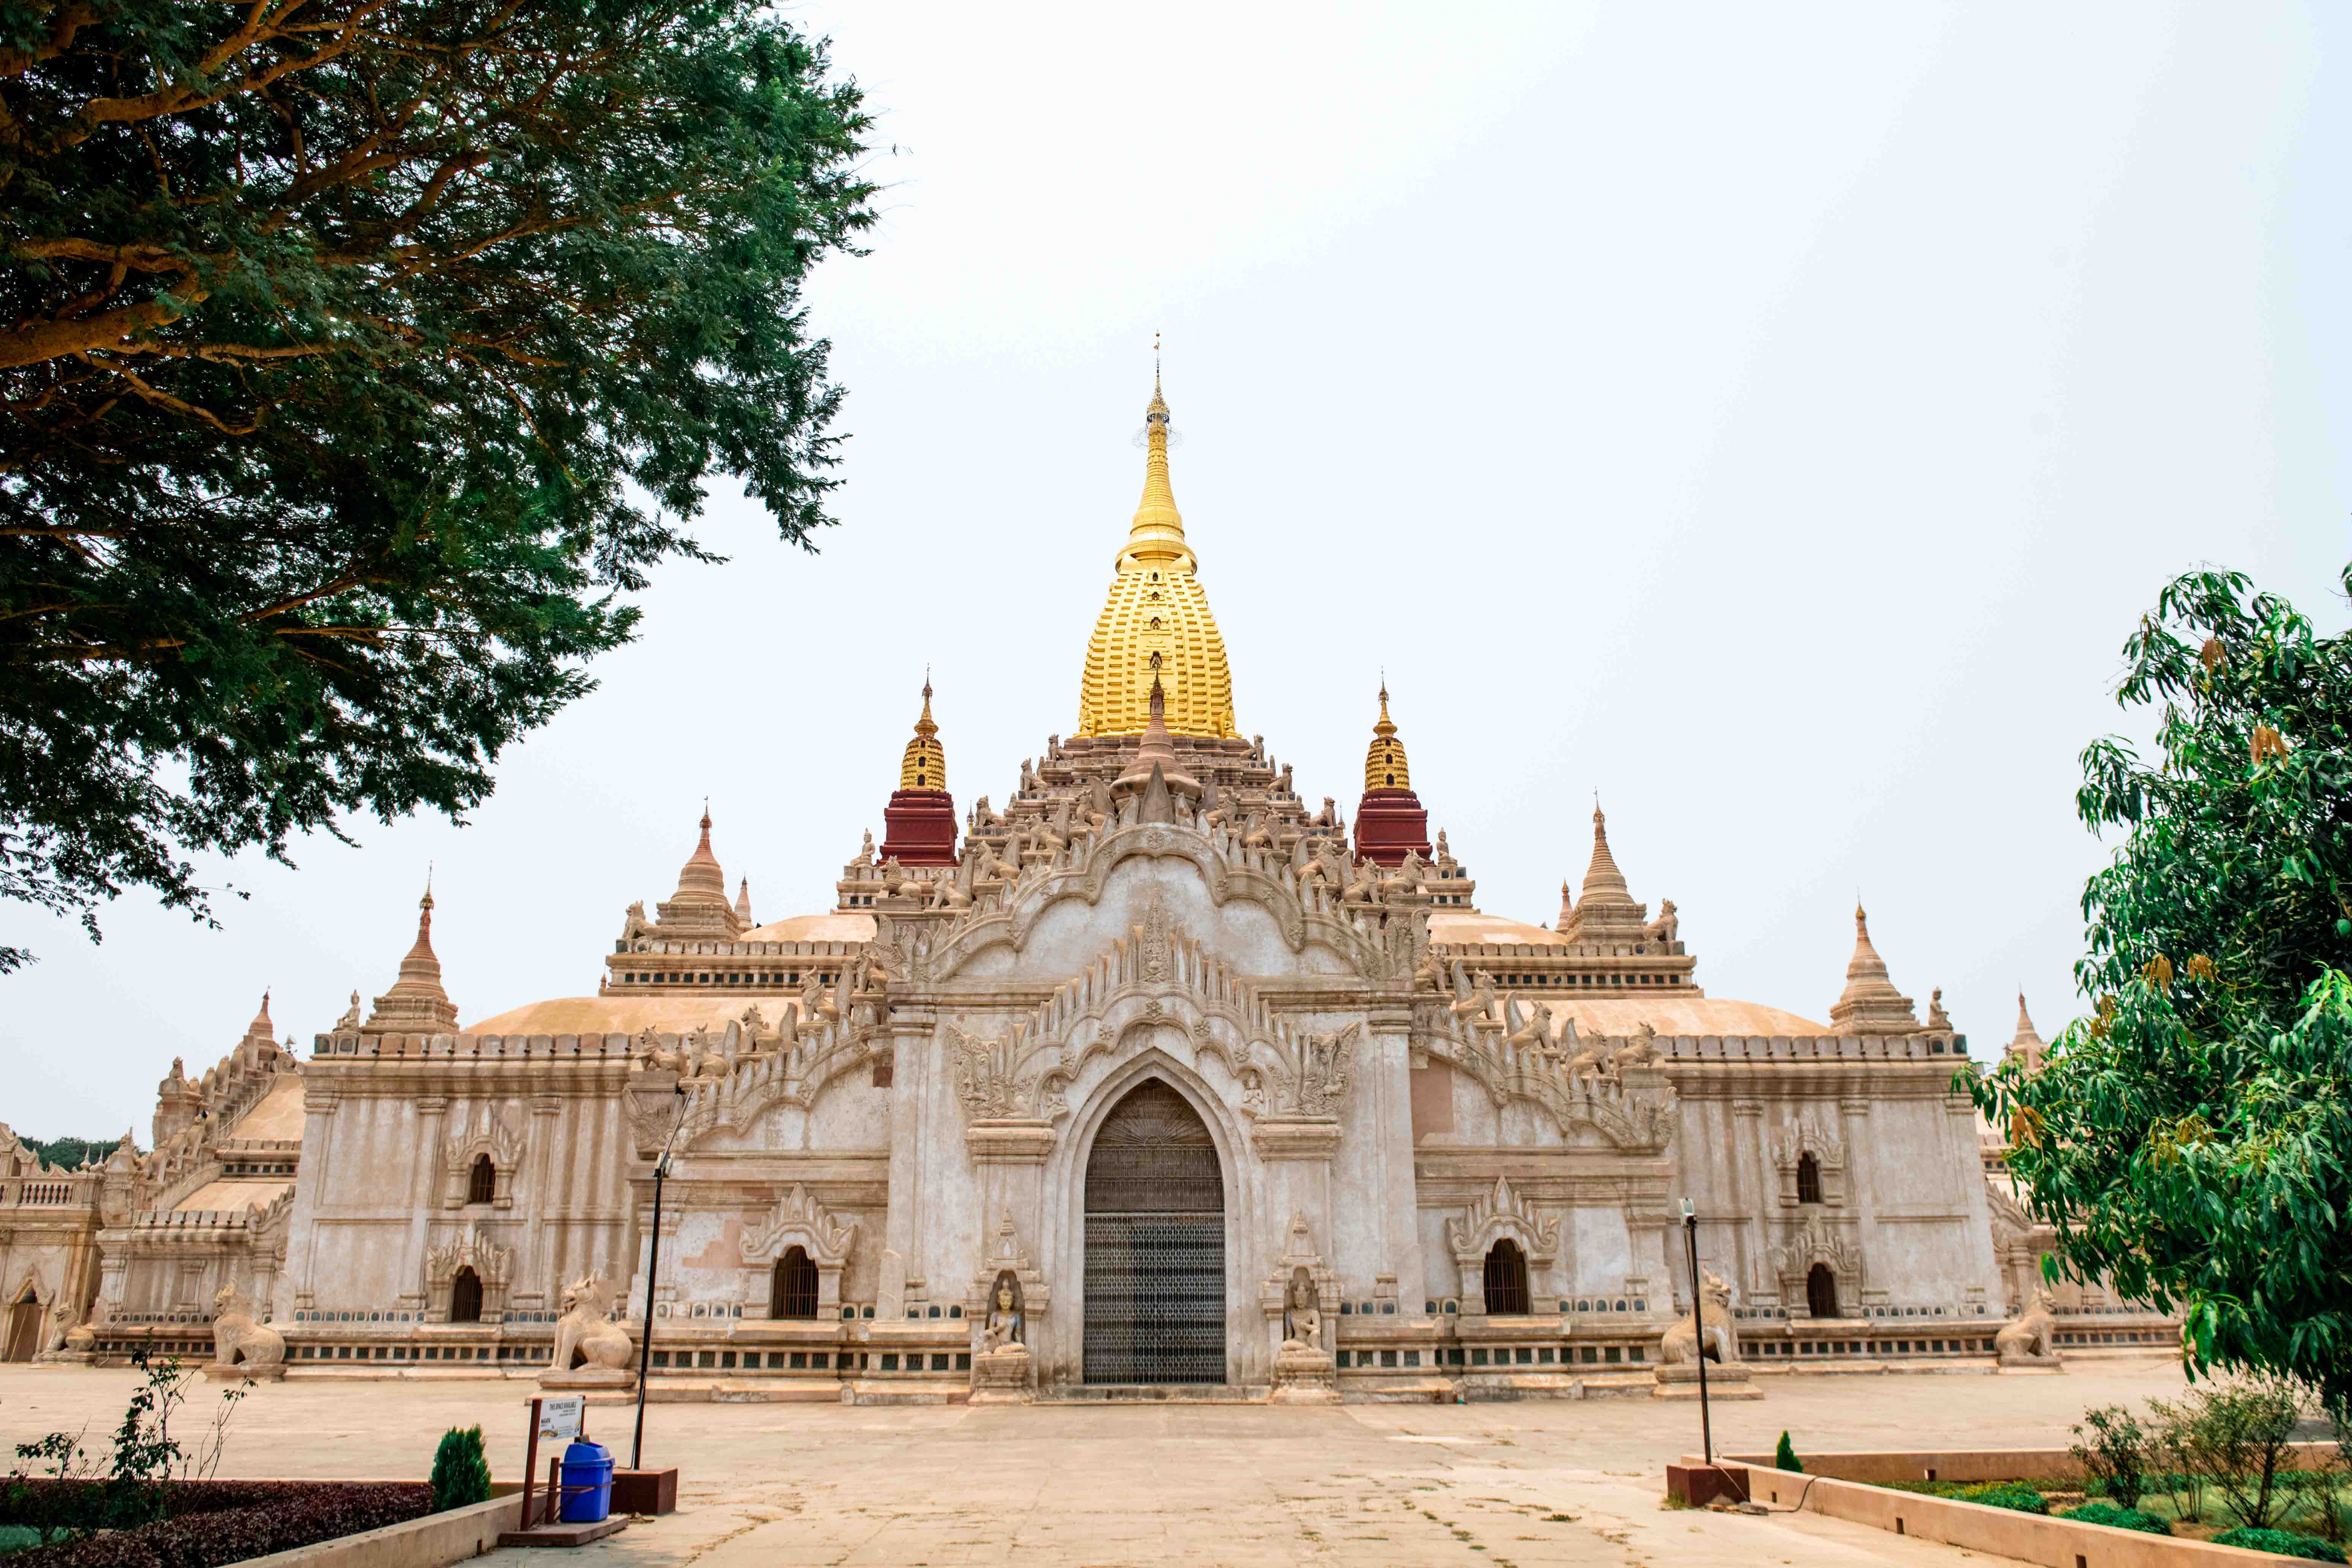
point(1155, 1273)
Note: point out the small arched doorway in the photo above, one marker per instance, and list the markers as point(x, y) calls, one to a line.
point(24, 1328)
point(1820, 1291)
point(1808, 1179)
point(1506, 1280)
point(482, 1183)
point(1155, 1270)
point(792, 1293)
point(466, 1296)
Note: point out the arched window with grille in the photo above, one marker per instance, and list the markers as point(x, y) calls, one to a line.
point(1820, 1291)
point(466, 1296)
point(1808, 1179)
point(1507, 1279)
point(482, 1183)
point(792, 1293)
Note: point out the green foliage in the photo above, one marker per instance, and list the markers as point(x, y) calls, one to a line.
point(17, 1537)
point(2173, 1424)
point(2100, 1511)
point(2187, 1140)
point(2014, 1495)
point(2112, 1447)
point(2281, 1543)
point(2238, 1437)
point(461, 1475)
point(357, 355)
point(1784, 1457)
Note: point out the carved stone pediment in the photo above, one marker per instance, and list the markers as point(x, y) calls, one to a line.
point(1503, 1212)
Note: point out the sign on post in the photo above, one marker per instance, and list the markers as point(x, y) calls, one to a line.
point(559, 1417)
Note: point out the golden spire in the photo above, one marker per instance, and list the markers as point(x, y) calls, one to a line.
point(1156, 607)
point(925, 764)
point(1385, 763)
point(1157, 534)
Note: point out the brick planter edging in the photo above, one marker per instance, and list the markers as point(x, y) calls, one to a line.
point(435, 1540)
point(2004, 1532)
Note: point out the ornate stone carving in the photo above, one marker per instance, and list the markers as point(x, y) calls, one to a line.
point(1490, 1218)
point(474, 1249)
point(485, 1133)
point(799, 1218)
point(238, 1339)
point(987, 1076)
point(591, 1351)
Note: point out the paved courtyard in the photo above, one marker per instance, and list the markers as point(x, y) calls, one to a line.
point(1530, 1484)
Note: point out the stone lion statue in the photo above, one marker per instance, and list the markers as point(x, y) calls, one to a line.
point(585, 1336)
point(236, 1337)
point(2033, 1337)
point(1706, 1329)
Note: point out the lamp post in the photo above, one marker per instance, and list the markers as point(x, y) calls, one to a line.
point(652, 1269)
point(1698, 1323)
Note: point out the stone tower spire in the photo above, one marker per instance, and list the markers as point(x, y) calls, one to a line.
point(2027, 1041)
point(1606, 912)
point(416, 1005)
point(743, 901)
point(261, 1028)
point(919, 825)
point(1157, 751)
point(1870, 1004)
point(1155, 624)
point(700, 906)
point(1391, 821)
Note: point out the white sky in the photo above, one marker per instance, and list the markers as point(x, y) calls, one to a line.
point(1772, 417)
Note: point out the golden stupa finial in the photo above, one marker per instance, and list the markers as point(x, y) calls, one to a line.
point(1156, 535)
point(925, 764)
point(1156, 612)
point(1385, 767)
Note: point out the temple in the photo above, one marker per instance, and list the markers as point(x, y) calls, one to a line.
point(1154, 1077)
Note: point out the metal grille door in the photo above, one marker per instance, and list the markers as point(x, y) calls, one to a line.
point(1155, 1244)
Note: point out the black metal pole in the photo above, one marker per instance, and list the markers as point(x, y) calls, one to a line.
point(653, 1274)
point(645, 1344)
point(1699, 1322)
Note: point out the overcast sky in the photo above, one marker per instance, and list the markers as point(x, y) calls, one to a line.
point(1773, 417)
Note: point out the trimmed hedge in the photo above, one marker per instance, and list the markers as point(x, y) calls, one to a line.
point(2098, 1511)
point(2006, 1494)
point(2283, 1543)
point(218, 1522)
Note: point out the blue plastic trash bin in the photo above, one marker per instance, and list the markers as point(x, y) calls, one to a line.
point(587, 1484)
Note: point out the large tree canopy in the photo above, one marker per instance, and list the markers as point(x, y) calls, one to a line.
point(2192, 1138)
point(356, 355)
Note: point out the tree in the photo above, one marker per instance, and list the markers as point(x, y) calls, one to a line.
point(357, 356)
point(2192, 1139)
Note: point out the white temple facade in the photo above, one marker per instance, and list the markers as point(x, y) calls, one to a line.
point(1201, 1085)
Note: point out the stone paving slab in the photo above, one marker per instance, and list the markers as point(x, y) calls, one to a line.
point(1533, 1484)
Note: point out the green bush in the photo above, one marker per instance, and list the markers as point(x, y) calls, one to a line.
point(461, 1476)
point(2112, 1447)
point(1784, 1457)
point(2100, 1511)
point(2006, 1494)
point(2282, 1543)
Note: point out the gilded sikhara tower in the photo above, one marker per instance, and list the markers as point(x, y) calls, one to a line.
point(1156, 619)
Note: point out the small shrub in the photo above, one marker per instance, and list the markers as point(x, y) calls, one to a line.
point(1784, 1457)
point(2282, 1542)
point(2098, 1511)
point(2237, 1438)
point(461, 1476)
point(2014, 1495)
point(2112, 1447)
